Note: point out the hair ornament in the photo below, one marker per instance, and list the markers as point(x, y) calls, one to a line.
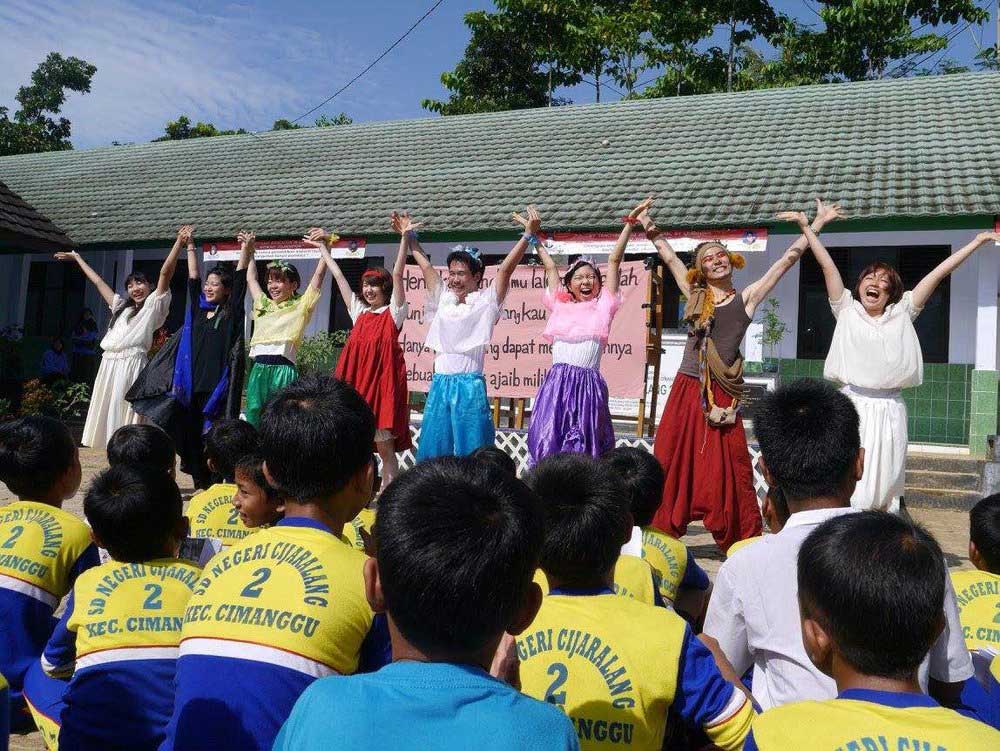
point(280, 265)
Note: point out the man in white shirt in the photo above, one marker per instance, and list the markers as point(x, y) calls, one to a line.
point(810, 444)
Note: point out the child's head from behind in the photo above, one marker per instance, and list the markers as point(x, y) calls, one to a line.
point(810, 442)
point(586, 519)
point(135, 513)
point(226, 443)
point(871, 590)
point(457, 545)
point(642, 477)
point(984, 534)
point(496, 459)
point(38, 459)
point(316, 437)
point(255, 500)
point(142, 445)
point(283, 280)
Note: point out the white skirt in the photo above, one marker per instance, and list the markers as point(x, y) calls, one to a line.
point(884, 438)
point(108, 408)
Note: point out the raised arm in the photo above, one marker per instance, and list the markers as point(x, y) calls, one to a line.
point(320, 238)
point(831, 274)
point(532, 225)
point(615, 259)
point(432, 279)
point(754, 294)
point(246, 255)
point(925, 288)
point(551, 272)
point(184, 237)
point(106, 292)
point(253, 283)
point(407, 229)
point(666, 252)
point(192, 253)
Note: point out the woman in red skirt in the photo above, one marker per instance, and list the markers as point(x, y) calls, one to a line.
point(372, 360)
point(700, 440)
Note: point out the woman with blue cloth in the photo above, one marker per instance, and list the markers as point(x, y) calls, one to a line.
point(457, 417)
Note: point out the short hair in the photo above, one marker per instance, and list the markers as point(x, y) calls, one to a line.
point(316, 434)
point(586, 517)
point(458, 545)
point(642, 477)
point(895, 281)
point(875, 582)
point(475, 265)
point(228, 441)
point(496, 459)
point(134, 511)
point(984, 531)
point(286, 272)
point(35, 453)
point(142, 445)
point(252, 465)
point(379, 277)
point(809, 437)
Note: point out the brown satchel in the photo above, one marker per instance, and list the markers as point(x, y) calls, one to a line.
point(728, 377)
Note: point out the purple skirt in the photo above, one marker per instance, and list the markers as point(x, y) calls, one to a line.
point(571, 414)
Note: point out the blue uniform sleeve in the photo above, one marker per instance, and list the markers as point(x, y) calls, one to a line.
point(750, 744)
point(658, 600)
point(694, 576)
point(88, 559)
point(59, 655)
point(376, 650)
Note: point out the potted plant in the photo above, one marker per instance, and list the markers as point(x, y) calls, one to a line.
point(770, 336)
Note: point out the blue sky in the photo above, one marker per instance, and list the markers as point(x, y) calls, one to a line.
point(245, 64)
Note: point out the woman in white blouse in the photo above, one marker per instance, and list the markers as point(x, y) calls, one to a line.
point(875, 353)
point(134, 320)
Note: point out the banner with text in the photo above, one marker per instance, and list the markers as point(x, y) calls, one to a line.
point(518, 358)
point(285, 250)
point(682, 241)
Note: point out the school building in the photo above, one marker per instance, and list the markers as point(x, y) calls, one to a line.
point(915, 162)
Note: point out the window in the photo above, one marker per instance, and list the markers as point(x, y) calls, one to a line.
point(55, 298)
point(816, 322)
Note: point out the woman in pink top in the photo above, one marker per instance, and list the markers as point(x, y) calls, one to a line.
point(571, 408)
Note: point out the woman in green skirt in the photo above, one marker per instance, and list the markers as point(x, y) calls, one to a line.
point(279, 320)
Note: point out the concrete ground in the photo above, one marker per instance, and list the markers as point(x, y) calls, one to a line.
point(951, 528)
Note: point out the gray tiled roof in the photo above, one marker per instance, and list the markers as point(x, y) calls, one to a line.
point(899, 148)
point(23, 228)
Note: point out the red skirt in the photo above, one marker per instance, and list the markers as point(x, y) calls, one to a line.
point(709, 475)
point(372, 362)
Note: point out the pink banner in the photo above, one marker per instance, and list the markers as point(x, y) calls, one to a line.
point(518, 358)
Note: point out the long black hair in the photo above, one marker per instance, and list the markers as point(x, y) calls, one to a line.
point(129, 303)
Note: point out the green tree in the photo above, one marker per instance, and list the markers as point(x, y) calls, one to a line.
point(34, 126)
point(181, 129)
point(284, 124)
point(325, 121)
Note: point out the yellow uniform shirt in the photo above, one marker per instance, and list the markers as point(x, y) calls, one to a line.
point(978, 597)
point(741, 544)
point(859, 720)
point(667, 556)
point(633, 579)
point(286, 321)
point(617, 666)
point(366, 521)
point(212, 514)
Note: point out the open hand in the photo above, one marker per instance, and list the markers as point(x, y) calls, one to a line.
point(69, 255)
point(642, 208)
point(532, 223)
point(796, 217)
point(985, 237)
point(317, 237)
point(403, 223)
point(828, 212)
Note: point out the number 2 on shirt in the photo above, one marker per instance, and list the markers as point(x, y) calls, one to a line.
point(15, 532)
point(234, 516)
point(561, 672)
point(255, 587)
point(154, 601)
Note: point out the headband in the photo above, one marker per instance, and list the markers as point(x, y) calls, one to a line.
point(468, 250)
point(280, 265)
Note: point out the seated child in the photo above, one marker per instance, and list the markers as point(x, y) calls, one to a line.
point(145, 446)
point(287, 605)
point(680, 580)
point(978, 591)
point(871, 592)
point(615, 666)
point(256, 503)
point(119, 635)
point(43, 549)
point(457, 545)
point(211, 511)
point(496, 458)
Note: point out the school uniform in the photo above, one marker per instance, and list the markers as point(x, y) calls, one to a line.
point(414, 706)
point(365, 520)
point(118, 639)
point(269, 616)
point(43, 550)
point(978, 596)
point(863, 719)
point(212, 514)
point(633, 578)
point(618, 667)
point(673, 565)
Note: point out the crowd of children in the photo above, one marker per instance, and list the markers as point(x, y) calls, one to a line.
point(474, 609)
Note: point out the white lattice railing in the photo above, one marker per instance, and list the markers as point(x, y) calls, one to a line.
point(515, 444)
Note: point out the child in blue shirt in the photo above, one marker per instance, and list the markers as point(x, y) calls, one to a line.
point(43, 549)
point(871, 589)
point(457, 543)
point(118, 637)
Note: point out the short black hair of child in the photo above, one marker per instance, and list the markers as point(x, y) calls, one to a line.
point(643, 478)
point(252, 465)
point(586, 517)
point(227, 441)
point(809, 436)
point(498, 459)
point(35, 452)
point(142, 445)
point(984, 531)
point(875, 582)
point(458, 545)
point(133, 511)
point(316, 434)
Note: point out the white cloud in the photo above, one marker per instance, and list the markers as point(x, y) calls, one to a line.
point(155, 60)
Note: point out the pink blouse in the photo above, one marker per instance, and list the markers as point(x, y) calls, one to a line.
point(571, 321)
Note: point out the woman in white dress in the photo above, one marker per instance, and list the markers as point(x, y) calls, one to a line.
point(134, 319)
point(875, 353)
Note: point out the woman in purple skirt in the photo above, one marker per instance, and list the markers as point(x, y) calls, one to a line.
point(571, 408)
